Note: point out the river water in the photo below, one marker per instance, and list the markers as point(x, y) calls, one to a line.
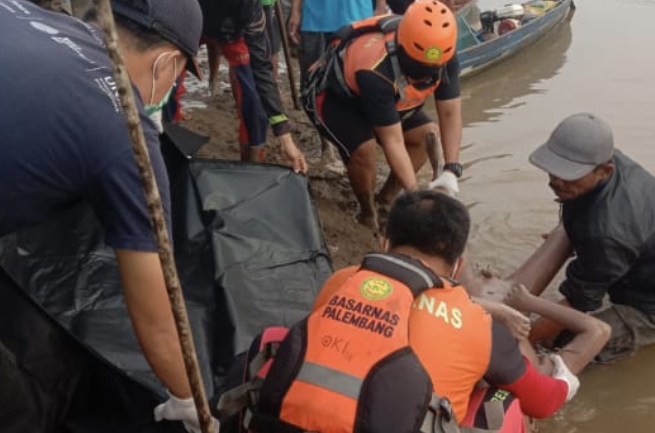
point(602, 62)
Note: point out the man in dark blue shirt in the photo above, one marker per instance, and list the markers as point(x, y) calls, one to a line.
point(608, 213)
point(64, 140)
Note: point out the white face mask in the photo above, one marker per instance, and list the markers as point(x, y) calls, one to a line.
point(151, 107)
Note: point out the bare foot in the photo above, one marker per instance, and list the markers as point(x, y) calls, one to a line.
point(368, 220)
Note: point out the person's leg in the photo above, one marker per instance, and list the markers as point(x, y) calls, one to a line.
point(362, 174)
point(312, 46)
point(213, 60)
point(631, 330)
point(253, 122)
point(345, 127)
point(416, 130)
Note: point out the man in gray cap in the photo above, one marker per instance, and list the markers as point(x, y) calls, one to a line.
point(65, 141)
point(608, 213)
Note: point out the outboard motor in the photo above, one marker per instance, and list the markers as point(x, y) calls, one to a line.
point(487, 20)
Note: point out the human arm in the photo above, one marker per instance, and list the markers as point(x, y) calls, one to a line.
point(517, 323)
point(380, 7)
point(542, 265)
point(267, 89)
point(150, 312)
point(591, 334)
point(294, 20)
point(450, 125)
point(118, 199)
point(540, 394)
point(448, 104)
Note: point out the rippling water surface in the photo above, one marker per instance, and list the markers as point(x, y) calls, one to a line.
point(603, 62)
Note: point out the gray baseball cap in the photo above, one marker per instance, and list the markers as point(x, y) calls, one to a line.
point(578, 144)
point(177, 21)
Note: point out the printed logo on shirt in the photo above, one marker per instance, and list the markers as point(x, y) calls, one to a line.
point(20, 7)
point(67, 42)
point(375, 289)
point(108, 86)
point(6, 6)
point(44, 28)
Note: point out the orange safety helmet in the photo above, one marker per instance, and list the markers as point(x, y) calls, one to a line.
point(428, 32)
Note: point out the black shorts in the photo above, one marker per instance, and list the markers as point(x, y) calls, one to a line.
point(347, 129)
point(271, 29)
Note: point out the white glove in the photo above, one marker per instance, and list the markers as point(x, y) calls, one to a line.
point(175, 409)
point(447, 181)
point(562, 372)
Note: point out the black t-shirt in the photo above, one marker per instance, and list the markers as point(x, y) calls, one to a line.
point(378, 96)
point(63, 136)
point(506, 365)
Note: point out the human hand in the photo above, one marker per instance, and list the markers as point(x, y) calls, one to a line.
point(517, 297)
point(291, 154)
point(294, 25)
point(518, 324)
point(447, 182)
point(562, 372)
point(184, 410)
point(380, 10)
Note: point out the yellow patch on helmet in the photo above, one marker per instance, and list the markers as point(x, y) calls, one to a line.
point(433, 54)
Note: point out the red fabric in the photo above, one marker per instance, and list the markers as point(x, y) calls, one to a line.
point(272, 334)
point(180, 90)
point(540, 395)
point(236, 52)
point(320, 100)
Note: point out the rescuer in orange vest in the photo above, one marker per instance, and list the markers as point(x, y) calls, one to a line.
point(396, 344)
point(374, 89)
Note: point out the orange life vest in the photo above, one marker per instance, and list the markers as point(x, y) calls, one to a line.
point(366, 53)
point(349, 368)
point(363, 45)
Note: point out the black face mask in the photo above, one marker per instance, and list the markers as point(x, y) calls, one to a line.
point(422, 76)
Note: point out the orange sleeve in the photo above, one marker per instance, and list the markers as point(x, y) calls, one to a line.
point(332, 285)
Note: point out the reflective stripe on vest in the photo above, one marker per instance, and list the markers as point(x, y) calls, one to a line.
point(328, 378)
point(439, 412)
point(364, 322)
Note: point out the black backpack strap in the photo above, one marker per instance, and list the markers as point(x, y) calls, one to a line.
point(268, 352)
point(411, 272)
point(439, 417)
point(236, 399)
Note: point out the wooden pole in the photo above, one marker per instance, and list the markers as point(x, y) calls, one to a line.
point(155, 210)
point(287, 52)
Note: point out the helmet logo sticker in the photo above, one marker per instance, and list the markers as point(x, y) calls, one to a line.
point(433, 54)
point(375, 289)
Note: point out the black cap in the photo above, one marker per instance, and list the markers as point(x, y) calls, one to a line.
point(177, 21)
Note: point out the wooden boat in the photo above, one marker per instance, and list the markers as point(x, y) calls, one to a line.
point(486, 38)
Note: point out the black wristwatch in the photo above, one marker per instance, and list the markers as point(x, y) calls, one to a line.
point(455, 168)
